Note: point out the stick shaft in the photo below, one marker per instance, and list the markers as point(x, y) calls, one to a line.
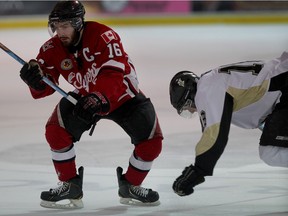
point(45, 79)
point(12, 54)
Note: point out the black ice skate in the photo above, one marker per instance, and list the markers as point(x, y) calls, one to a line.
point(135, 195)
point(67, 196)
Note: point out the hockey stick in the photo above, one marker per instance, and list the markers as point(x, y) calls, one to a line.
point(45, 79)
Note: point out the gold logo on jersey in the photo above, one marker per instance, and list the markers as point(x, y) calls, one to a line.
point(66, 64)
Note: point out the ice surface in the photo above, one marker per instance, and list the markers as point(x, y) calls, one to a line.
point(242, 185)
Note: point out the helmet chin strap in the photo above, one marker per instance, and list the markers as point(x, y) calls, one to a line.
point(75, 45)
point(78, 37)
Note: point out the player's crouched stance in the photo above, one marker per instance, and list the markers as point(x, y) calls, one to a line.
point(273, 150)
point(245, 94)
point(90, 56)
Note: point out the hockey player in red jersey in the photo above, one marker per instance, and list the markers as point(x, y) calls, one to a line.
point(246, 94)
point(91, 57)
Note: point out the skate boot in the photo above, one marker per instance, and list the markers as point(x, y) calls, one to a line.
point(135, 195)
point(67, 196)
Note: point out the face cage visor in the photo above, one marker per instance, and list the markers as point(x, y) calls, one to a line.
point(76, 23)
point(185, 111)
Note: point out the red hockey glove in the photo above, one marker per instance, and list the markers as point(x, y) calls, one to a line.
point(32, 74)
point(91, 105)
point(184, 184)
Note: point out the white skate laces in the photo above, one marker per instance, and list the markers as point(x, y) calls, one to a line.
point(59, 198)
point(68, 194)
point(140, 191)
point(140, 196)
point(135, 195)
point(63, 186)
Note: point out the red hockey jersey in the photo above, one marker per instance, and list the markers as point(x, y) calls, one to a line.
point(99, 64)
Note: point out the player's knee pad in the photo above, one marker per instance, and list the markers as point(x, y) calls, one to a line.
point(149, 150)
point(57, 137)
point(274, 155)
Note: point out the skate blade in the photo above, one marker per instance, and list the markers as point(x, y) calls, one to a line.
point(63, 204)
point(134, 202)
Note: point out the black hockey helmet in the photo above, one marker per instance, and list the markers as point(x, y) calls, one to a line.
point(72, 11)
point(183, 87)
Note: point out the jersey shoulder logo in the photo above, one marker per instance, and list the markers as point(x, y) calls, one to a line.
point(47, 45)
point(109, 36)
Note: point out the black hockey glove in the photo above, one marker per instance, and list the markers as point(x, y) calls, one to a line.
point(32, 74)
point(184, 184)
point(91, 105)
